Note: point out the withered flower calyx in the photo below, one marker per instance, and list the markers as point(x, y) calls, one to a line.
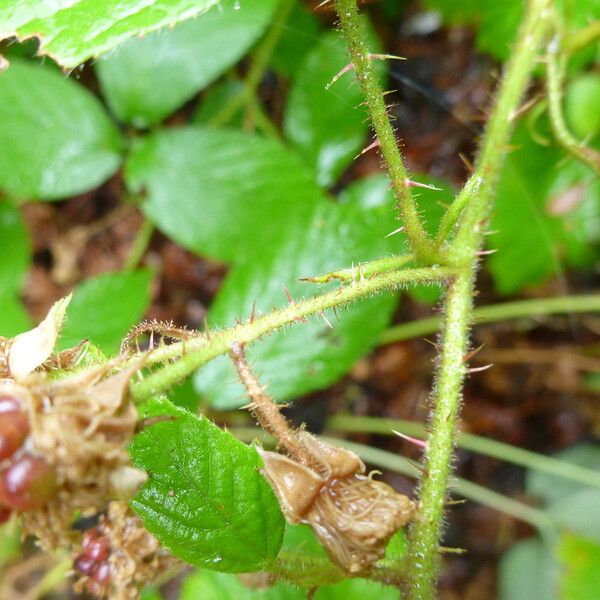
point(352, 514)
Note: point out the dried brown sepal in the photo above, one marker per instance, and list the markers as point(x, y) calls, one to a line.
point(81, 426)
point(120, 556)
point(352, 515)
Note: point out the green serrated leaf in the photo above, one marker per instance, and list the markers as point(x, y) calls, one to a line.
point(220, 193)
point(205, 499)
point(312, 355)
point(145, 80)
point(327, 125)
point(105, 307)
point(56, 139)
point(209, 585)
point(71, 32)
point(580, 558)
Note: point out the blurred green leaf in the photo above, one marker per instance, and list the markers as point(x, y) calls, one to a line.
point(220, 193)
point(299, 36)
point(327, 125)
point(56, 139)
point(145, 80)
point(14, 319)
point(553, 489)
point(528, 571)
point(105, 307)
point(14, 262)
point(205, 499)
point(497, 22)
point(212, 103)
point(578, 512)
point(185, 396)
point(71, 32)
point(208, 585)
point(581, 559)
point(547, 212)
point(357, 589)
point(15, 255)
point(310, 356)
point(582, 98)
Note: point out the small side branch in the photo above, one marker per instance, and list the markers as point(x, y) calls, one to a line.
point(189, 355)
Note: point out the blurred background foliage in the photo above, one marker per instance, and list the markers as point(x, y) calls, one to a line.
point(201, 169)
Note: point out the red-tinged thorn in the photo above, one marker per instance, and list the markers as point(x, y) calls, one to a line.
point(486, 252)
point(289, 296)
point(469, 355)
point(395, 232)
point(480, 369)
point(151, 343)
point(335, 312)
point(327, 322)
point(412, 440)
point(342, 72)
point(386, 57)
point(372, 145)
point(253, 313)
point(206, 329)
point(411, 183)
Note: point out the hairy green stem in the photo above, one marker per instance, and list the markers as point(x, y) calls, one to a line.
point(373, 267)
point(353, 29)
point(498, 312)
point(425, 534)
point(193, 353)
point(582, 38)
point(474, 443)
point(555, 67)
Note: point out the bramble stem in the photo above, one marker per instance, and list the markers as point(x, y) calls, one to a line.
point(353, 29)
point(476, 197)
point(193, 353)
point(373, 267)
point(498, 312)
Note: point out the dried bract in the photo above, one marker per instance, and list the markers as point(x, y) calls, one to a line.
point(353, 515)
point(27, 351)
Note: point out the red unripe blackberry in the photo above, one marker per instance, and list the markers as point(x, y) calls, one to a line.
point(14, 426)
point(27, 483)
point(4, 514)
point(85, 565)
point(100, 580)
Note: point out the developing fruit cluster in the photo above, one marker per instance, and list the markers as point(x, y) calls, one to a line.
point(27, 481)
point(93, 562)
